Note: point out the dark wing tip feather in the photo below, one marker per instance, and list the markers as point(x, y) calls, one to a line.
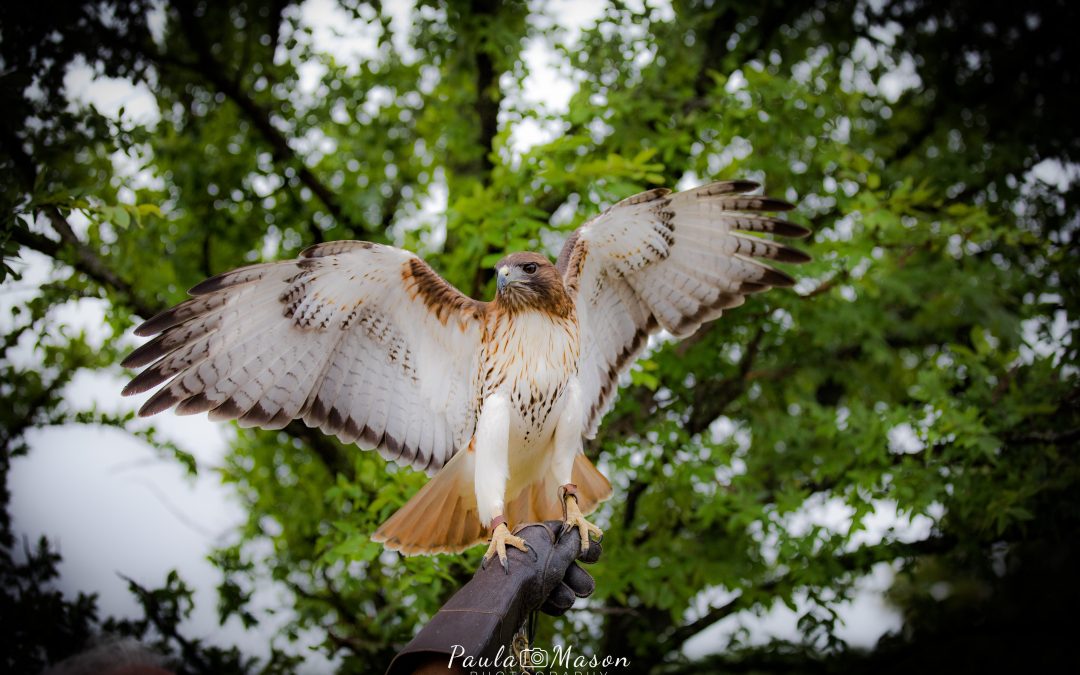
point(257, 415)
point(226, 410)
point(279, 421)
point(316, 413)
point(193, 405)
point(157, 323)
point(145, 381)
point(726, 187)
point(647, 196)
point(791, 255)
point(159, 402)
point(333, 248)
point(334, 422)
point(751, 287)
point(214, 283)
point(742, 185)
point(144, 354)
point(182, 313)
point(267, 418)
point(774, 277)
point(784, 228)
point(167, 319)
point(771, 204)
point(393, 446)
point(370, 437)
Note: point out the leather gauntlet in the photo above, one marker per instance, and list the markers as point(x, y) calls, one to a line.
point(485, 613)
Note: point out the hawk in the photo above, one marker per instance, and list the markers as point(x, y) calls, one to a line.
point(492, 399)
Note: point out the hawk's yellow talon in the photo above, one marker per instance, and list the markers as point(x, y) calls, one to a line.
point(500, 539)
point(574, 518)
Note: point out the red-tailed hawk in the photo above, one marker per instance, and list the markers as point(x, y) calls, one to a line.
point(366, 342)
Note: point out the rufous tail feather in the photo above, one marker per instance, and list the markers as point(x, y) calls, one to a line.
point(540, 501)
point(442, 517)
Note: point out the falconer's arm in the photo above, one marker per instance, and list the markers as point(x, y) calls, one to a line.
point(486, 613)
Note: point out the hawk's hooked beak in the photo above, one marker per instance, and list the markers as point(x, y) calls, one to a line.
point(504, 278)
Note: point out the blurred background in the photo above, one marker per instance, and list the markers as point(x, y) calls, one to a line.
point(875, 472)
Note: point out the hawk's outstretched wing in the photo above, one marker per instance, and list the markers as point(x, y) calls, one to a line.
point(666, 261)
point(364, 341)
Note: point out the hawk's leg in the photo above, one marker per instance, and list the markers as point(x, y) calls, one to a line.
point(567, 448)
point(492, 469)
point(573, 517)
point(500, 539)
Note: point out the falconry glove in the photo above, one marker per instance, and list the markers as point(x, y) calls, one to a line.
point(485, 614)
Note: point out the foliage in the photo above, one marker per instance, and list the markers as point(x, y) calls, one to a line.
point(926, 363)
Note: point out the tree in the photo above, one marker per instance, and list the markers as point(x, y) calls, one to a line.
point(926, 360)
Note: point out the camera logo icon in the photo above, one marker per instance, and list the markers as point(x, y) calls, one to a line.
point(534, 657)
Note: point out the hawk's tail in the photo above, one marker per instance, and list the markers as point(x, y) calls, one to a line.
point(442, 517)
point(540, 501)
point(592, 486)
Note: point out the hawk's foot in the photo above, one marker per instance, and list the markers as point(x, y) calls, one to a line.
point(500, 539)
point(573, 517)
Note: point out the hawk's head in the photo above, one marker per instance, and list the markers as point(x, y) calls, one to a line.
point(530, 281)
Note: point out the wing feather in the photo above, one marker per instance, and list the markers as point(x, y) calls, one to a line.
point(659, 260)
point(361, 340)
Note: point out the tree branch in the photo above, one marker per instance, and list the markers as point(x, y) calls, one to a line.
point(346, 616)
point(189, 650)
point(915, 140)
point(716, 37)
point(715, 399)
point(1051, 437)
point(324, 448)
point(72, 250)
point(214, 73)
point(488, 100)
point(714, 615)
point(83, 258)
point(390, 207)
point(856, 561)
point(95, 267)
point(718, 395)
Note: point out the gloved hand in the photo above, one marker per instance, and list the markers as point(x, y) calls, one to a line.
point(485, 614)
point(559, 592)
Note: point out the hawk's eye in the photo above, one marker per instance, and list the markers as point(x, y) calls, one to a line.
point(529, 268)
